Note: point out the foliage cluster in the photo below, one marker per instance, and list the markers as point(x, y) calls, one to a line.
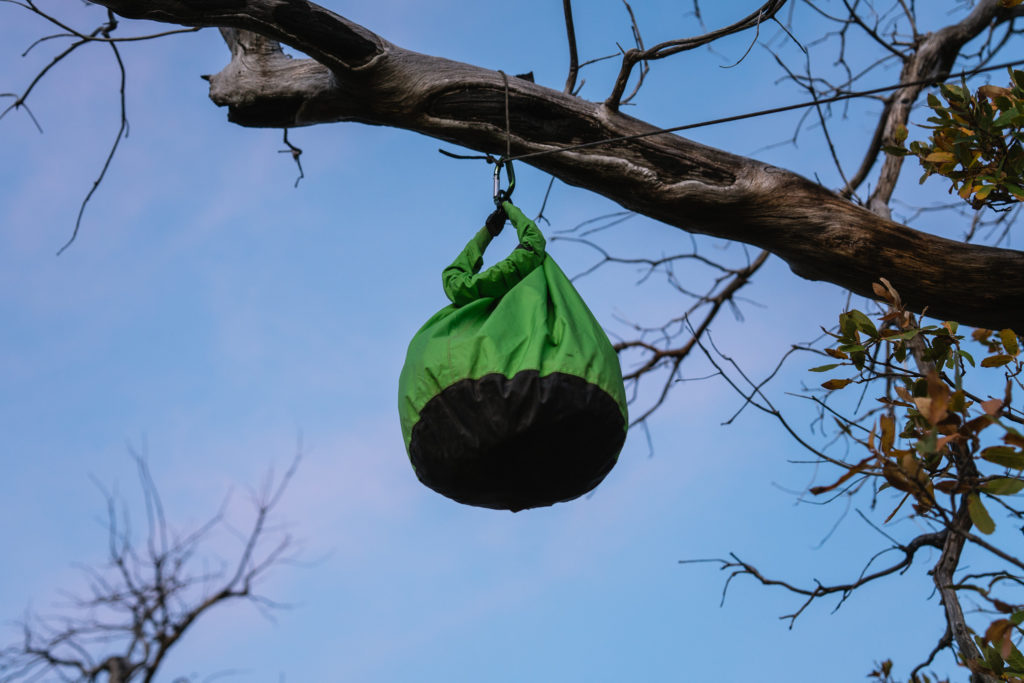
point(925, 442)
point(977, 142)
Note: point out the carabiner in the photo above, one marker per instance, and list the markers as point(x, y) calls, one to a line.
point(499, 194)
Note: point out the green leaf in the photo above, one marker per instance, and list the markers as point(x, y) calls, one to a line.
point(979, 515)
point(940, 157)
point(969, 357)
point(1016, 660)
point(1005, 456)
point(1007, 117)
point(952, 93)
point(826, 368)
point(996, 361)
point(1009, 340)
point(908, 335)
point(1004, 486)
point(863, 323)
point(992, 658)
point(957, 401)
point(848, 328)
point(1017, 77)
point(927, 444)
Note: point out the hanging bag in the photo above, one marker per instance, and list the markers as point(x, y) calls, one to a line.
point(511, 397)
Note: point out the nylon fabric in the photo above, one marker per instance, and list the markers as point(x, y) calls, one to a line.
point(518, 443)
point(463, 284)
point(522, 314)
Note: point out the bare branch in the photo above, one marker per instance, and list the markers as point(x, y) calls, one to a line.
point(574, 60)
point(946, 641)
point(122, 132)
point(631, 58)
point(141, 604)
point(295, 153)
point(738, 567)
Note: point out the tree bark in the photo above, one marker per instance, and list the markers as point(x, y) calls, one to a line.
point(355, 75)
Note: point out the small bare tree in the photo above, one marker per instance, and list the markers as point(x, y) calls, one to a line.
point(145, 598)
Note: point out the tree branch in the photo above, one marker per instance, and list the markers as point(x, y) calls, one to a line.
point(738, 567)
point(574, 59)
point(358, 76)
point(948, 562)
point(674, 357)
point(632, 57)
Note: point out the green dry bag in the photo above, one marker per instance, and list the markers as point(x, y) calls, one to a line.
point(511, 397)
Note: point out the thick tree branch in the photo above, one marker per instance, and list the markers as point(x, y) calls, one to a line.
point(358, 76)
point(956, 623)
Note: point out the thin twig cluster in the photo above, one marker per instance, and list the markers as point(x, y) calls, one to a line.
point(138, 606)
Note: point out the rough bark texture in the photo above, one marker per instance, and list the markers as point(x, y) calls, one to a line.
point(945, 583)
point(356, 75)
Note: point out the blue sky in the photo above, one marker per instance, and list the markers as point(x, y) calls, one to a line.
point(214, 316)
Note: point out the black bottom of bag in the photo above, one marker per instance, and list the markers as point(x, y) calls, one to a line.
point(512, 444)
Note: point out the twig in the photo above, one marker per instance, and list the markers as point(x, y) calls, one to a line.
point(739, 567)
point(122, 132)
point(296, 153)
point(630, 58)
